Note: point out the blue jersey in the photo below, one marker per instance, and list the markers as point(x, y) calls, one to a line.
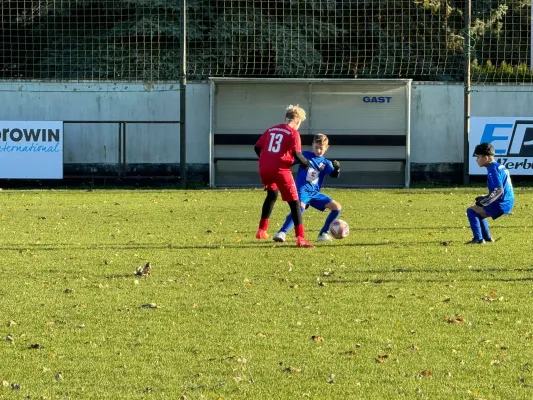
point(310, 180)
point(501, 192)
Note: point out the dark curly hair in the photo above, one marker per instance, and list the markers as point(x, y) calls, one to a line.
point(484, 149)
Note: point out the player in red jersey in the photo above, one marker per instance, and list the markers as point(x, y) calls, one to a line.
point(277, 148)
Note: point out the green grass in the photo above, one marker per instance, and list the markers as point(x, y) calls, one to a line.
point(395, 313)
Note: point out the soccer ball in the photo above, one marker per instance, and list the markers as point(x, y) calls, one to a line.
point(339, 229)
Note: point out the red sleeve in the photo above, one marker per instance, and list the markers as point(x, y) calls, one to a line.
point(261, 140)
point(297, 142)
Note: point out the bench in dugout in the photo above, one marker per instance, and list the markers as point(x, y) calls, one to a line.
point(237, 165)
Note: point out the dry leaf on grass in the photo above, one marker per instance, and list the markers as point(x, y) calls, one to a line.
point(144, 271)
point(292, 370)
point(381, 358)
point(351, 353)
point(458, 319)
point(150, 305)
point(317, 339)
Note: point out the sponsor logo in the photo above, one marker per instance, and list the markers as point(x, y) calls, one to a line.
point(377, 99)
point(515, 140)
point(512, 139)
point(512, 164)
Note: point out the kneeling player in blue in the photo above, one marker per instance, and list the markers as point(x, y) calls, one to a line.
point(309, 182)
point(498, 202)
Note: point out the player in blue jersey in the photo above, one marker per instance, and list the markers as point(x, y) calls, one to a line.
point(309, 182)
point(498, 202)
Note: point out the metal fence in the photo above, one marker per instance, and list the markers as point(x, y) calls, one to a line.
point(124, 40)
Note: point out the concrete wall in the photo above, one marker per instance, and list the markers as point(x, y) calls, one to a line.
point(96, 145)
point(436, 119)
point(437, 116)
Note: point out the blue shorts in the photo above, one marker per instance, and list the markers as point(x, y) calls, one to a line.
point(316, 200)
point(494, 211)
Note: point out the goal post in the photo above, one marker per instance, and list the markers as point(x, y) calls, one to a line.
point(367, 122)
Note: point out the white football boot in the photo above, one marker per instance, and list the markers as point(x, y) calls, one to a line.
point(324, 237)
point(280, 237)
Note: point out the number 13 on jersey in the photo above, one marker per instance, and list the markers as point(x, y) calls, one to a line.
point(275, 142)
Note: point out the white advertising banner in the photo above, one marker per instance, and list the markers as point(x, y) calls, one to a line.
point(31, 149)
point(512, 139)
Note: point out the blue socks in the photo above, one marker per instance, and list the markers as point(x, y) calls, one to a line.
point(479, 226)
point(333, 215)
point(485, 228)
point(289, 223)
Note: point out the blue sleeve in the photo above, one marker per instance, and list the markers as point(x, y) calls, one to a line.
point(329, 167)
point(494, 179)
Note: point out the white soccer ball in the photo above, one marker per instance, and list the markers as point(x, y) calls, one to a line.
point(339, 229)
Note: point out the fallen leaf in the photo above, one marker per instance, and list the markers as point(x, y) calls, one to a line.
point(144, 271)
point(317, 339)
point(352, 353)
point(292, 370)
point(381, 358)
point(150, 305)
point(458, 319)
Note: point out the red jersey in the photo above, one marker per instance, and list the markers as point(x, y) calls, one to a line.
point(278, 145)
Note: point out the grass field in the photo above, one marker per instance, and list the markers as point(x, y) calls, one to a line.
point(401, 309)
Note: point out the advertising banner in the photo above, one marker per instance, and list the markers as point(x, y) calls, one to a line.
point(31, 149)
point(512, 139)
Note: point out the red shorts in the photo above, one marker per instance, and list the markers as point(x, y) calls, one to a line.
point(282, 180)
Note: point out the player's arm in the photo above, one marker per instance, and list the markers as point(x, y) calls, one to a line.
point(495, 188)
point(300, 159)
point(336, 169)
point(259, 144)
point(297, 151)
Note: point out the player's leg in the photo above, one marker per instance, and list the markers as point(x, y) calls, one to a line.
point(281, 236)
point(335, 210)
point(268, 206)
point(485, 230)
point(288, 192)
point(475, 215)
point(289, 223)
point(494, 212)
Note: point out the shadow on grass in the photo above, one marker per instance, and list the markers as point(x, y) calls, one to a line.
point(429, 280)
point(220, 246)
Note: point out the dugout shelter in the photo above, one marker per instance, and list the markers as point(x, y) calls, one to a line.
point(367, 122)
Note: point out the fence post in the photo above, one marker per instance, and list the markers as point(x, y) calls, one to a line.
point(183, 99)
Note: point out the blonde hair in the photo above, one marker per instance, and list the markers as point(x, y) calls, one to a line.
point(321, 139)
point(295, 113)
